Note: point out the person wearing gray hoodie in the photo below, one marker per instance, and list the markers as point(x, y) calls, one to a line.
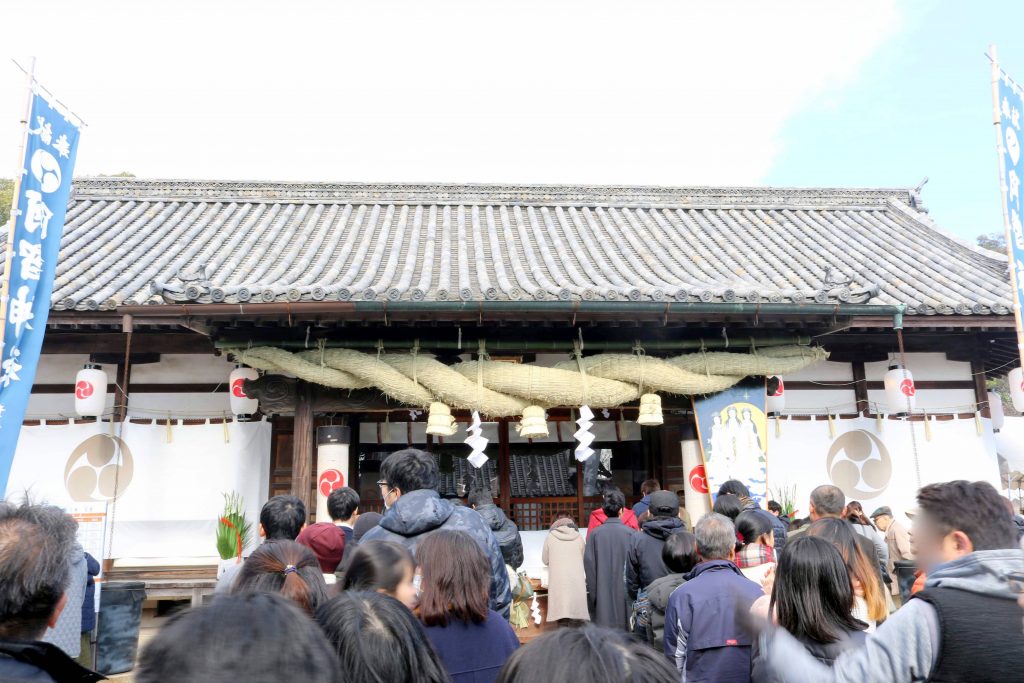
point(965, 624)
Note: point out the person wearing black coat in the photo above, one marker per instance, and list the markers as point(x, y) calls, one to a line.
point(644, 563)
point(504, 529)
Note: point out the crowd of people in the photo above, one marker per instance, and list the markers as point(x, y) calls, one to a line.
point(429, 591)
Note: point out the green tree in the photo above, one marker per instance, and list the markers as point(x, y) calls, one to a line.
point(993, 241)
point(6, 197)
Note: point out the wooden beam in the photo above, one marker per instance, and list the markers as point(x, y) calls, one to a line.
point(980, 387)
point(58, 341)
point(302, 445)
point(804, 385)
point(860, 389)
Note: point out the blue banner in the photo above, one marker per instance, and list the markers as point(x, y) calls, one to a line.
point(1010, 106)
point(42, 201)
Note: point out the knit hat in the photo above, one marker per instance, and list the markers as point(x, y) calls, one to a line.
point(327, 542)
point(364, 523)
point(664, 504)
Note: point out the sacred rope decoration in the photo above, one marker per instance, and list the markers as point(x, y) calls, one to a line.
point(499, 389)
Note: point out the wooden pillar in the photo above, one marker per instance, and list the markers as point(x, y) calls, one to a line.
point(980, 387)
point(302, 444)
point(504, 468)
point(353, 454)
point(860, 387)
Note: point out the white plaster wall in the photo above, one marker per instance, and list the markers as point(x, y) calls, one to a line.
point(924, 366)
point(184, 369)
point(944, 400)
point(838, 400)
point(60, 368)
point(824, 371)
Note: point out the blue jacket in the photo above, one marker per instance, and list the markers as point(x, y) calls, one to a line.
point(642, 506)
point(702, 634)
point(417, 513)
point(89, 604)
point(474, 653)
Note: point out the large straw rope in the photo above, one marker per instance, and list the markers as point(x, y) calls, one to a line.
point(507, 388)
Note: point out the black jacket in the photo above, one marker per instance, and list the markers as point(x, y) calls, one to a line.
point(38, 662)
point(643, 563)
point(506, 532)
point(658, 594)
point(417, 513)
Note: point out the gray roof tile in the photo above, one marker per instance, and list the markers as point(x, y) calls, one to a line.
point(131, 241)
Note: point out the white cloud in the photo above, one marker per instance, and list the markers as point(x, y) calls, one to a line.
point(594, 92)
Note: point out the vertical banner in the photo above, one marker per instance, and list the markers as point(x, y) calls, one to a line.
point(733, 431)
point(1008, 101)
point(37, 221)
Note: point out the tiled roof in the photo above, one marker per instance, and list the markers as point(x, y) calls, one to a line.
point(131, 242)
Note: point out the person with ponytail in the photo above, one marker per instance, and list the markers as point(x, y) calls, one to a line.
point(286, 568)
point(755, 537)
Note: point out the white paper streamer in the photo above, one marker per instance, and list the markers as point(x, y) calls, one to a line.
point(535, 610)
point(583, 435)
point(477, 442)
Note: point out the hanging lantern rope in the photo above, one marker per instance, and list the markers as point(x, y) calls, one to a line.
point(501, 389)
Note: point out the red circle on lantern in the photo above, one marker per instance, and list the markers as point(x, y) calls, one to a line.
point(83, 389)
point(907, 387)
point(329, 481)
point(238, 388)
point(699, 479)
point(782, 388)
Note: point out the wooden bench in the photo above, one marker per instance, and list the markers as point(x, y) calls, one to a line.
point(168, 582)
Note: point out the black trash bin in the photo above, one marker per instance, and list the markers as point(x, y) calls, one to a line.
point(906, 574)
point(118, 625)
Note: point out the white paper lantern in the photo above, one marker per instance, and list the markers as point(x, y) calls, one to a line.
point(90, 391)
point(1016, 382)
point(900, 392)
point(995, 409)
point(775, 401)
point(241, 404)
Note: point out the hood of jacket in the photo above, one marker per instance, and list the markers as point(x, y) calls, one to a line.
point(417, 512)
point(662, 527)
point(983, 572)
point(493, 515)
point(565, 533)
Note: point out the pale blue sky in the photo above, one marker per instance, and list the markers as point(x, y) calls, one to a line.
point(662, 92)
point(921, 105)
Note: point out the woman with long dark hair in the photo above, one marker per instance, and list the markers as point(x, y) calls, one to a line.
point(286, 568)
point(384, 567)
point(472, 640)
point(378, 640)
point(869, 600)
point(813, 599)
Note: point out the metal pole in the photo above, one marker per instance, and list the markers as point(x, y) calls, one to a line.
point(997, 121)
point(5, 289)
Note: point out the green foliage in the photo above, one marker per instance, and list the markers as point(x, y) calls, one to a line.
point(1002, 387)
point(786, 497)
point(6, 197)
point(993, 241)
point(231, 526)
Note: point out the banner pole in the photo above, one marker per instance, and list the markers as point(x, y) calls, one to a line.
point(5, 289)
point(997, 121)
